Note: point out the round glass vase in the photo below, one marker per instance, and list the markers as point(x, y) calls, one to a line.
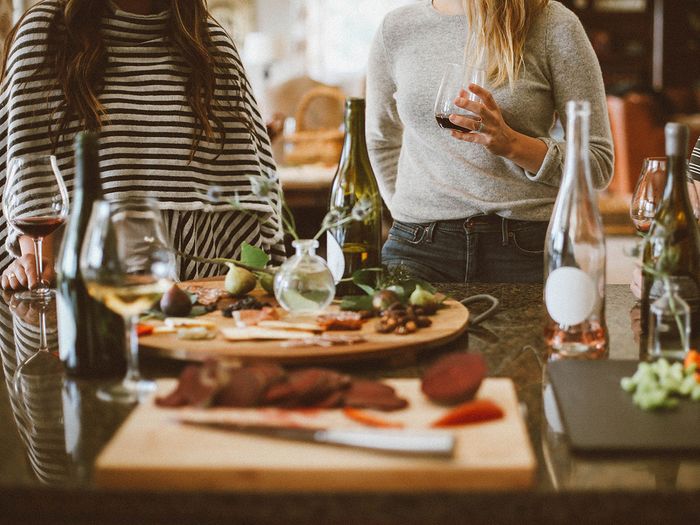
point(304, 284)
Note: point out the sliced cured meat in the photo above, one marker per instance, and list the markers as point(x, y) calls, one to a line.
point(207, 296)
point(245, 386)
point(340, 321)
point(195, 387)
point(306, 387)
point(454, 378)
point(373, 394)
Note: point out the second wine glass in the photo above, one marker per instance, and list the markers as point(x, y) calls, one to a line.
point(35, 203)
point(126, 265)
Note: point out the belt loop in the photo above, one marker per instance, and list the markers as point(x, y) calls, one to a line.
point(430, 231)
point(504, 231)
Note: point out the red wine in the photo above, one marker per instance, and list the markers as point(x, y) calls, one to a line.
point(38, 227)
point(443, 121)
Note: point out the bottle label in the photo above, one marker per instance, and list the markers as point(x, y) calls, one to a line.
point(66, 327)
point(335, 257)
point(570, 295)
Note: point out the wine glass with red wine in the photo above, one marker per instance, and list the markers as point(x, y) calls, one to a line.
point(456, 77)
point(35, 203)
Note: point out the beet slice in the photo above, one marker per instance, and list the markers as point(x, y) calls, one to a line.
point(454, 378)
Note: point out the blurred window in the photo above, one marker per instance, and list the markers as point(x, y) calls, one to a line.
point(339, 34)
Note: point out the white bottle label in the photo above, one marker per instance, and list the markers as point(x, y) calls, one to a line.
point(570, 295)
point(334, 257)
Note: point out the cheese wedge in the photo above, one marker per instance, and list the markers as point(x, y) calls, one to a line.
point(162, 329)
point(290, 325)
point(188, 322)
point(254, 332)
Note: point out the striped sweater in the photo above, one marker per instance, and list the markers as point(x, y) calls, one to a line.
point(147, 133)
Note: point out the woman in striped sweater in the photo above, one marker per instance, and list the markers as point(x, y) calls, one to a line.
point(163, 84)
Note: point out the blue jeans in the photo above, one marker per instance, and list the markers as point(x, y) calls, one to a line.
point(483, 248)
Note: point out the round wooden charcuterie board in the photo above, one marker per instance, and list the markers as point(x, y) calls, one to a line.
point(447, 325)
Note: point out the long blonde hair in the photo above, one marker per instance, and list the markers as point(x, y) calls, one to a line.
point(497, 33)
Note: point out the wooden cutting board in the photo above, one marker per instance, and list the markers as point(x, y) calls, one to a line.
point(153, 451)
point(448, 324)
point(599, 416)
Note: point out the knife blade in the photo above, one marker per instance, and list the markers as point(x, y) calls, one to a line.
point(410, 442)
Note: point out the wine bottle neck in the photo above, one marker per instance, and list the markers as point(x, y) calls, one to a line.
point(88, 185)
point(354, 144)
point(577, 167)
point(676, 182)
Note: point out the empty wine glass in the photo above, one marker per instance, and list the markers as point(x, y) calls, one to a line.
point(648, 193)
point(126, 264)
point(35, 203)
point(456, 78)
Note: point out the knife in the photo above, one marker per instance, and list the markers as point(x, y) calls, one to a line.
point(416, 443)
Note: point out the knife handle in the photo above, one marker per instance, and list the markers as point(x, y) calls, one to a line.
point(399, 441)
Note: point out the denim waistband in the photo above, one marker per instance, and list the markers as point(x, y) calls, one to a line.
point(489, 222)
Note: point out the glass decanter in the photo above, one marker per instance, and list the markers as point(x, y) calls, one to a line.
point(304, 284)
point(669, 324)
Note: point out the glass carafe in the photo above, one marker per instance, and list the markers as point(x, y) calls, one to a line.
point(304, 284)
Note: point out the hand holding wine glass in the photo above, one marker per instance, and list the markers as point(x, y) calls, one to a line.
point(35, 203)
point(455, 80)
point(126, 265)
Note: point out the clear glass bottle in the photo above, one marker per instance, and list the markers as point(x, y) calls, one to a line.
point(669, 324)
point(574, 291)
point(304, 284)
point(356, 244)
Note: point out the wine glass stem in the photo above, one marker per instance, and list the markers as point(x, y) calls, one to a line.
point(132, 356)
point(39, 260)
point(43, 343)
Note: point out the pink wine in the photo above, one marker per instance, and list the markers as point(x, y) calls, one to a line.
point(38, 227)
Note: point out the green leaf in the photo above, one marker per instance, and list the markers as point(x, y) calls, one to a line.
point(356, 302)
point(366, 279)
point(254, 256)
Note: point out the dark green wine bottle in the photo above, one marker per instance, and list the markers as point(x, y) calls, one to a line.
point(91, 337)
point(355, 244)
point(673, 243)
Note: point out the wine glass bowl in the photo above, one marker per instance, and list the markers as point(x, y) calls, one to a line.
point(456, 78)
point(35, 203)
point(649, 190)
point(127, 266)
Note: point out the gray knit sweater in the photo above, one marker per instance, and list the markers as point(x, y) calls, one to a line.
point(424, 173)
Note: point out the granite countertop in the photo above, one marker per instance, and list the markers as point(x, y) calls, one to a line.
point(53, 429)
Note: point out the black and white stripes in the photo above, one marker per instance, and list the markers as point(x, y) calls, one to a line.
point(147, 134)
point(694, 165)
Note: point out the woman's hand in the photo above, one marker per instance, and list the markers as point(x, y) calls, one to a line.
point(489, 128)
point(21, 274)
point(492, 132)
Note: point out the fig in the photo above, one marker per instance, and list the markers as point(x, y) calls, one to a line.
point(239, 281)
point(422, 297)
point(175, 302)
point(266, 281)
point(383, 299)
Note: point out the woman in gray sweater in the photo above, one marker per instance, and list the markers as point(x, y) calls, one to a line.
point(474, 206)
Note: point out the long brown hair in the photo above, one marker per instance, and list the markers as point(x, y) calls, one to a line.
point(498, 32)
point(77, 56)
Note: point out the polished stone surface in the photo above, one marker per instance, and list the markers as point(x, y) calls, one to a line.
point(53, 428)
